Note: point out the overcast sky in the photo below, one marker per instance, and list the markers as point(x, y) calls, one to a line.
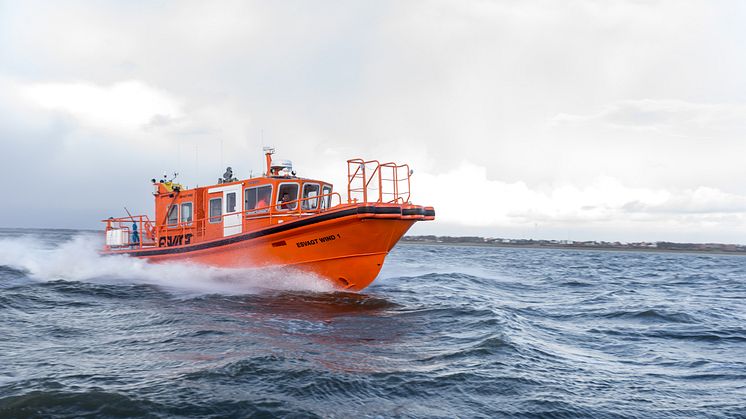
point(580, 119)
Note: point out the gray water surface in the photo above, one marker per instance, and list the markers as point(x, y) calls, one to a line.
point(445, 331)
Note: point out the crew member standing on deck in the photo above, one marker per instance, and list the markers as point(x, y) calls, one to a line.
point(135, 240)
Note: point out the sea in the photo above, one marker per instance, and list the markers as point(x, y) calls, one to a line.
point(444, 332)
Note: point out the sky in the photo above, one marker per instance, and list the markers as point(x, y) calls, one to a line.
point(572, 120)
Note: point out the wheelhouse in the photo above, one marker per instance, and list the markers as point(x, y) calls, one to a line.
point(233, 207)
point(209, 213)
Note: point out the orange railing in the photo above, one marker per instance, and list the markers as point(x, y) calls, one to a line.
point(119, 234)
point(125, 239)
point(324, 202)
point(372, 181)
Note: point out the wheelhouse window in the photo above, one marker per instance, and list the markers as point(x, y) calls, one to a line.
point(310, 193)
point(287, 193)
point(216, 210)
point(326, 201)
point(230, 202)
point(173, 215)
point(258, 199)
point(186, 213)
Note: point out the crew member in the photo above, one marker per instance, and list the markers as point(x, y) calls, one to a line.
point(135, 235)
point(261, 204)
point(284, 201)
point(228, 175)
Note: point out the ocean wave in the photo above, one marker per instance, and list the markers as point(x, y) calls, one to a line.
point(447, 332)
point(483, 349)
point(98, 403)
point(652, 316)
point(74, 404)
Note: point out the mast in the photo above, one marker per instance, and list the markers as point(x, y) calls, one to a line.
point(268, 151)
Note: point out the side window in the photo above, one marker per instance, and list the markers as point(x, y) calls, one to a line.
point(173, 215)
point(230, 202)
point(264, 198)
point(258, 198)
point(288, 192)
point(186, 213)
point(326, 202)
point(249, 199)
point(310, 192)
point(216, 210)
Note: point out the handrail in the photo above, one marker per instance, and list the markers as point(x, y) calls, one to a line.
point(361, 181)
point(183, 227)
point(298, 210)
point(146, 231)
point(261, 212)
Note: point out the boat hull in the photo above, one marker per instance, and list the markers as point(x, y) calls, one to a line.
point(347, 247)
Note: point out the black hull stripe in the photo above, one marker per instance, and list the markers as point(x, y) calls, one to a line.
point(413, 211)
point(418, 211)
point(266, 232)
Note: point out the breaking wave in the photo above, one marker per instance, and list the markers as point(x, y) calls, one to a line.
point(77, 259)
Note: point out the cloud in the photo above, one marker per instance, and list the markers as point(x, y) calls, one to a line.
point(127, 104)
point(544, 100)
point(698, 201)
point(466, 196)
point(663, 114)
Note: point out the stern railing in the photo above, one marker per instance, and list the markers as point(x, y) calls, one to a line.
point(119, 234)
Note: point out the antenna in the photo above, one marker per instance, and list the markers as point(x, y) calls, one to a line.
point(128, 213)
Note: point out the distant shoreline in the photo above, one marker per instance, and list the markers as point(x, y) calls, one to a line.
point(580, 248)
point(455, 241)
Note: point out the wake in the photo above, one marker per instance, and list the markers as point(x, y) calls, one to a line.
point(77, 259)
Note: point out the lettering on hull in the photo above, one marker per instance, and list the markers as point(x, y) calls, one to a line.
point(176, 240)
point(313, 242)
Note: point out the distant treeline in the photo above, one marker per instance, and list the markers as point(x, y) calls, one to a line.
point(660, 245)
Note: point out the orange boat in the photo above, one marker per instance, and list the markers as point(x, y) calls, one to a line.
point(278, 219)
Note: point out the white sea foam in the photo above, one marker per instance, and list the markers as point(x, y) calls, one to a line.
point(78, 260)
